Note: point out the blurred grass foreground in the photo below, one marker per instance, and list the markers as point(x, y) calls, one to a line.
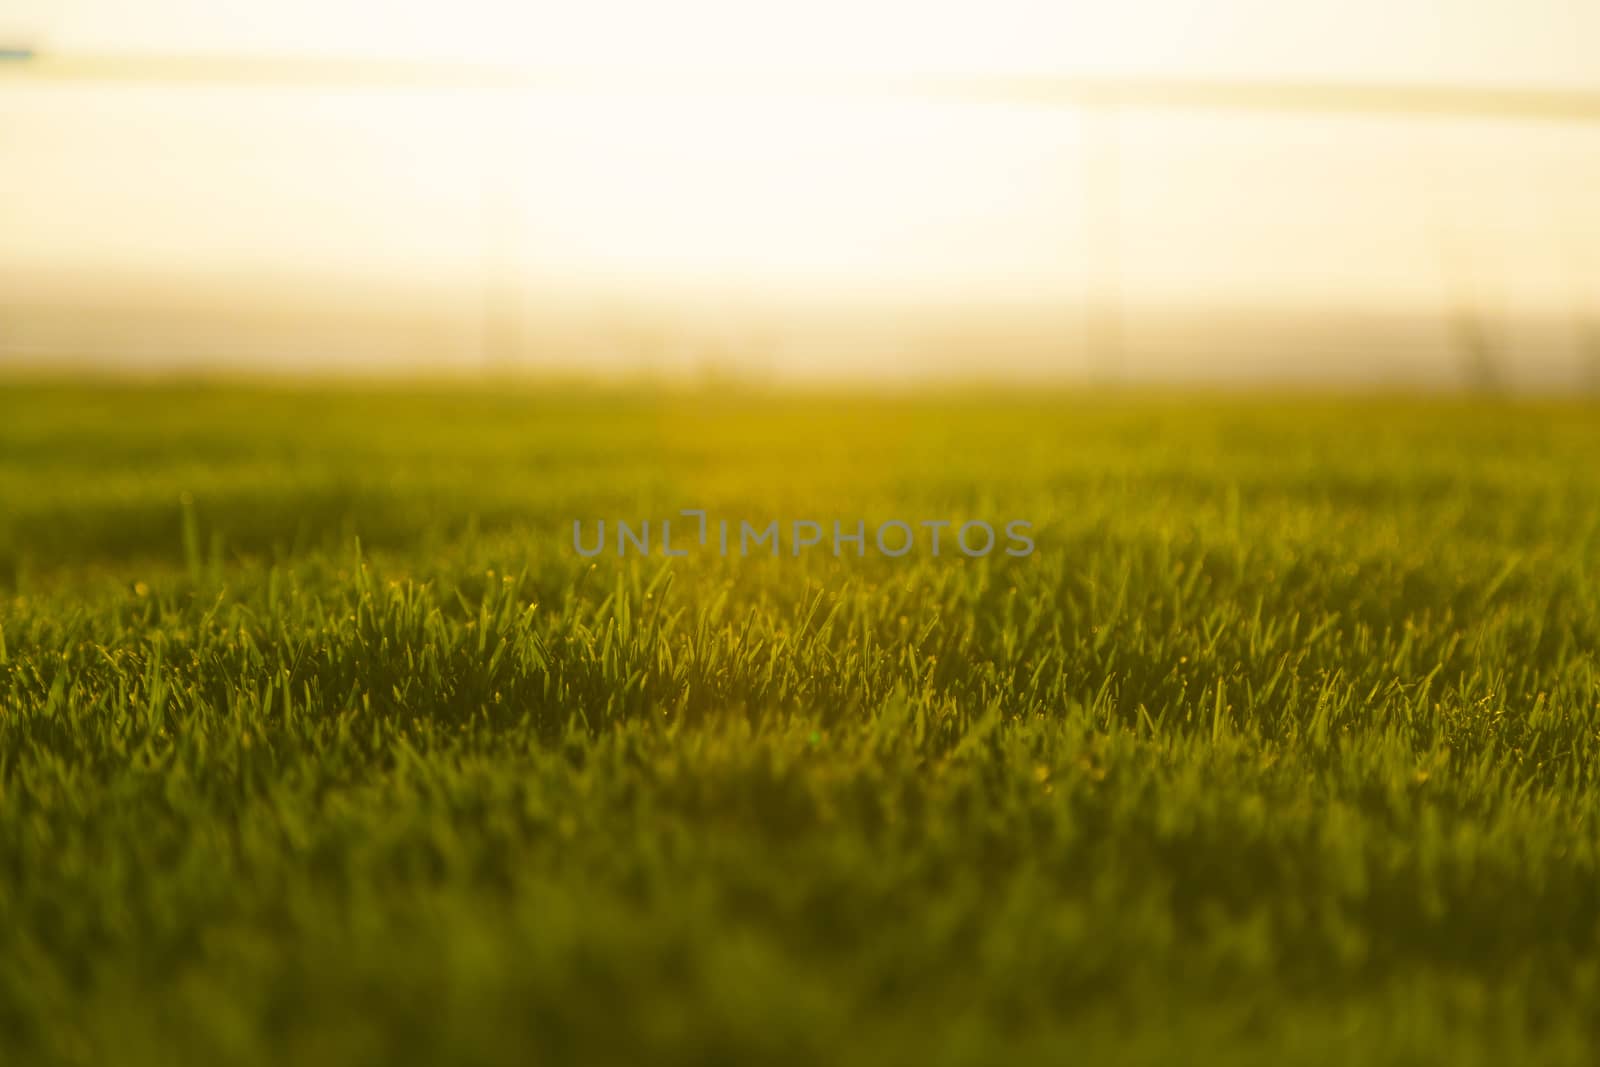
point(320, 744)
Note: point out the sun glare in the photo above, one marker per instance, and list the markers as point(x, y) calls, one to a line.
point(712, 151)
point(783, 189)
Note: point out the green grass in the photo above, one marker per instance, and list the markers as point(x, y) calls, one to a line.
point(320, 745)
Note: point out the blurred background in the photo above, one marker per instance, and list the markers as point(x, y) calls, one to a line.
point(1351, 192)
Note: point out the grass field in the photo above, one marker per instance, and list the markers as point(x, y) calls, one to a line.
point(319, 744)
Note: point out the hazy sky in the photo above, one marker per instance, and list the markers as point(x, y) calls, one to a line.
point(1501, 41)
point(624, 189)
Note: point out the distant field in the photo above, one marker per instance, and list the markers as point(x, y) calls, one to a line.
point(320, 744)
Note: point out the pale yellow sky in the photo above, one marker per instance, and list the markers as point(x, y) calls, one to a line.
point(709, 198)
point(1547, 42)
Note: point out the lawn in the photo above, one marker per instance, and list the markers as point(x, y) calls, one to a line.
point(321, 744)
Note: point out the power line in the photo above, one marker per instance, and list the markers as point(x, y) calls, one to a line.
point(1374, 98)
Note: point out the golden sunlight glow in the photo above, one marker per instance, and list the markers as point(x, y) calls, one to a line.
point(690, 187)
point(719, 150)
